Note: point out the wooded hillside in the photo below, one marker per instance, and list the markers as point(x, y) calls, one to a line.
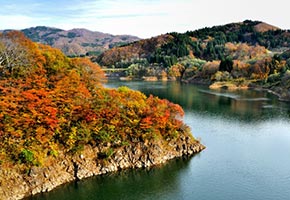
point(49, 102)
point(243, 54)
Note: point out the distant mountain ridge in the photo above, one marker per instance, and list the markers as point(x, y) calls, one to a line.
point(76, 42)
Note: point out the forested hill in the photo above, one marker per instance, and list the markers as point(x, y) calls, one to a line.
point(206, 43)
point(76, 42)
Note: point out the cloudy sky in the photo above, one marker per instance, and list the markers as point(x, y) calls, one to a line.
point(143, 18)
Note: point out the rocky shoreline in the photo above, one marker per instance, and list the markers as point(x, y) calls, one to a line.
point(90, 162)
point(282, 93)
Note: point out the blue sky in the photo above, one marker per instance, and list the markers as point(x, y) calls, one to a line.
point(143, 18)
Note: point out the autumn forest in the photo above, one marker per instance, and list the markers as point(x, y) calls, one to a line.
point(51, 103)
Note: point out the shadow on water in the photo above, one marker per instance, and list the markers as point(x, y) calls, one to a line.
point(128, 184)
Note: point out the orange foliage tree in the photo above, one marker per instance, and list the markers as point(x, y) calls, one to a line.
point(59, 103)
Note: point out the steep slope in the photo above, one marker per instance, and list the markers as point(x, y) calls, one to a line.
point(76, 42)
point(135, 50)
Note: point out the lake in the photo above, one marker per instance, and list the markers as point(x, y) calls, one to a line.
point(247, 135)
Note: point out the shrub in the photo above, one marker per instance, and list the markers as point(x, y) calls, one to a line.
point(274, 78)
point(26, 156)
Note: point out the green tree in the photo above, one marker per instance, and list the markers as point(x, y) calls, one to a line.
point(226, 64)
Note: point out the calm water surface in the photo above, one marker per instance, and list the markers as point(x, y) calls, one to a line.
point(247, 135)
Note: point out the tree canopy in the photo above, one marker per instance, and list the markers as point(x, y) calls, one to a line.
point(50, 102)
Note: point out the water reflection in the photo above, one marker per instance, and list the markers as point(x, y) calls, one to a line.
point(129, 184)
point(245, 105)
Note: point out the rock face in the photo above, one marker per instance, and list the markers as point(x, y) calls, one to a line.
point(93, 161)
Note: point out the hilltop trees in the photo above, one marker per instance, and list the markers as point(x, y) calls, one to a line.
point(246, 42)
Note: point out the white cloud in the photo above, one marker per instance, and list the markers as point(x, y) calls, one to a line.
point(144, 18)
point(15, 22)
point(139, 17)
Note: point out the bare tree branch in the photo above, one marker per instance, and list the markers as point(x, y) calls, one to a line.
point(13, 56)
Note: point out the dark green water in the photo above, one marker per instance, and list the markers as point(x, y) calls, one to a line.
point(247, 135)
